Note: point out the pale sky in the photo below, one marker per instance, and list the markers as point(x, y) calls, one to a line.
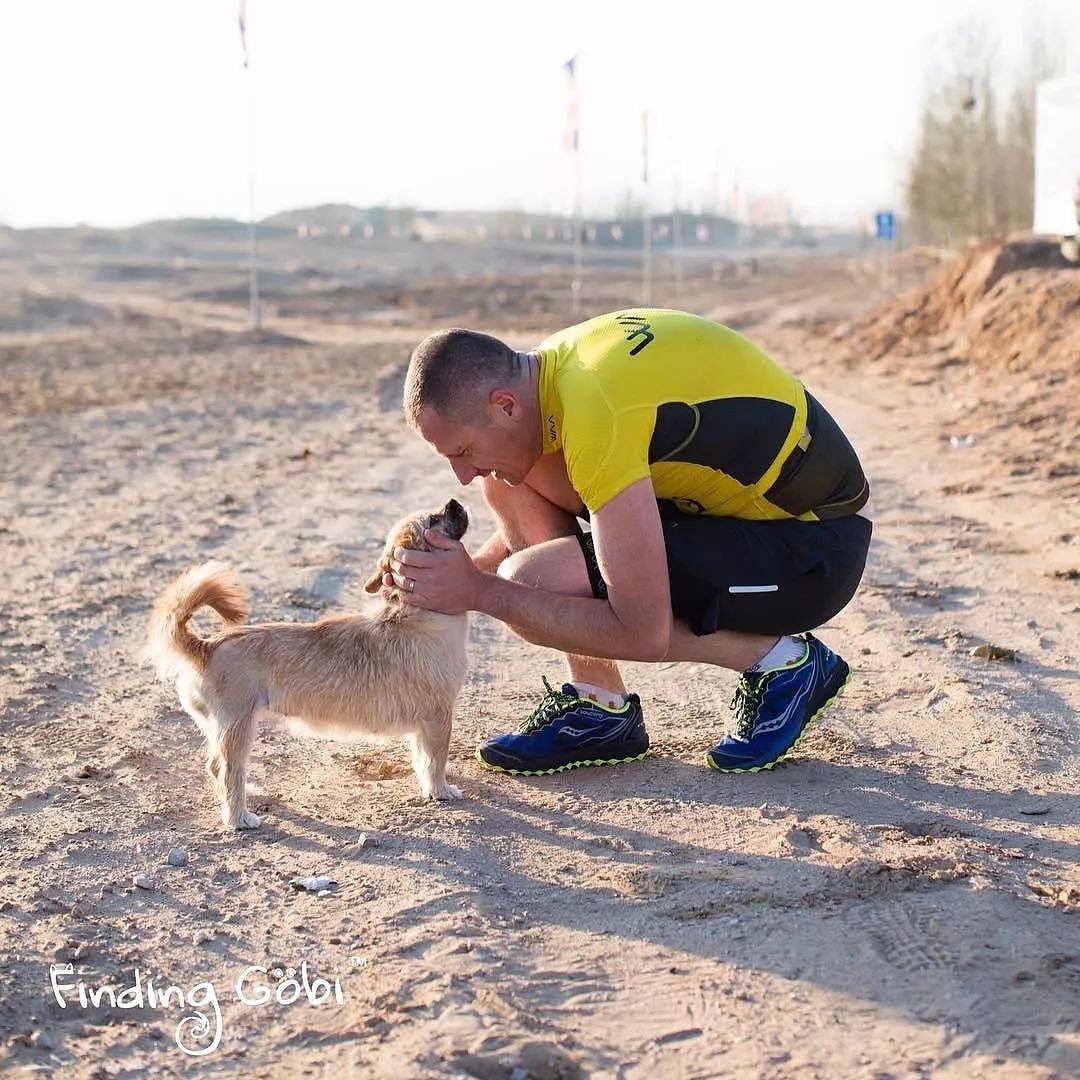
point(119, 111)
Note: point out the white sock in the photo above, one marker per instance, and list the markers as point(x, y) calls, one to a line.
point(601, 696)
point(786, 652)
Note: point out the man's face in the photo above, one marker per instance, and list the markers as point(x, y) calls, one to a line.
point(493, 448)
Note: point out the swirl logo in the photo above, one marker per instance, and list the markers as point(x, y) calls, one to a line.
point(198, 1027)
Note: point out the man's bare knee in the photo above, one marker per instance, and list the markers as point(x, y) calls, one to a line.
point(555, 566)
point(512, 568)
point(524, 516)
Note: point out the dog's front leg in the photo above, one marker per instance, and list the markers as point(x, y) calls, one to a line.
point(430, 749)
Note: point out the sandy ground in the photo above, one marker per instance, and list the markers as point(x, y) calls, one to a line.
point(901, 900)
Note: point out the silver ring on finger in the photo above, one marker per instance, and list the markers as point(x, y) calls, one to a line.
point(410, 584)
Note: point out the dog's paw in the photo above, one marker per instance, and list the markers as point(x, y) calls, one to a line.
point(247, 820)
point(448, 791)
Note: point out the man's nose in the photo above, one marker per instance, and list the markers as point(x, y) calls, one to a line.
point(465, 473)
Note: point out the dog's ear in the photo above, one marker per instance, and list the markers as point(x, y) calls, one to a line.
point(374, 583)
point(409, 534)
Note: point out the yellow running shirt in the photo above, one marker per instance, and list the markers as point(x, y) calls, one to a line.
point(719, 427)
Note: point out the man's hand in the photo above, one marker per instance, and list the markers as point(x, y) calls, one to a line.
point(444, 579)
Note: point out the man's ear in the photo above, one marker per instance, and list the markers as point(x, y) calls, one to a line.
point(503, 400)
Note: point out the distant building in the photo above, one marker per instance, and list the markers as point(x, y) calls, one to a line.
point(685, 230)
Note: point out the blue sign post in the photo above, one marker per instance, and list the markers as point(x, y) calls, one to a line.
point(885, 225)
point(885, 233)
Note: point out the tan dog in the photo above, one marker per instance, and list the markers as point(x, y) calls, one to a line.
point(393, 672)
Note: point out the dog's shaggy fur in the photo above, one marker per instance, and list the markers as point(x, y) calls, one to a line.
point(394, 672)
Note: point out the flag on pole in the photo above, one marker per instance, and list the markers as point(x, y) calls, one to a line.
point(243, 30)
point(570, 138)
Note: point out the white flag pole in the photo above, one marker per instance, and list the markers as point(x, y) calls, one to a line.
point(253, 249)
point(576, 286)
point(571, 143)
point(676, 237)
point(646, 216)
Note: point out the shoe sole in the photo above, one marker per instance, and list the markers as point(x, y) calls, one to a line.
point(795, 745)
point(559, 768)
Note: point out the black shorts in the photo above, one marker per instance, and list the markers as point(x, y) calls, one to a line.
point(758, 577)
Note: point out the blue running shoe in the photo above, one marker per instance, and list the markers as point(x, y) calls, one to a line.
point(774, 709)
point(565, 731)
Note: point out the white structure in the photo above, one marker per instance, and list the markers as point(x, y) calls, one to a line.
point(1057, 155)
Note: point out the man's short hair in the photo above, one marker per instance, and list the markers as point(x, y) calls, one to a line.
point(451, 369)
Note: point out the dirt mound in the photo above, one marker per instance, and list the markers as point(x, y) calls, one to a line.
point(997, 335)
point(1014, 305)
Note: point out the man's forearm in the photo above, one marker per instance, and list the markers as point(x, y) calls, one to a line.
point(570, 624)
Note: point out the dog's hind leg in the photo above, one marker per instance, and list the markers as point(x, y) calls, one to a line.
point(430, 749)
point(228, 766)
point(197, 709)
point(194, 705)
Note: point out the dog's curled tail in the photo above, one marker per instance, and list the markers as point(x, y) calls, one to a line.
point(170, 644)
